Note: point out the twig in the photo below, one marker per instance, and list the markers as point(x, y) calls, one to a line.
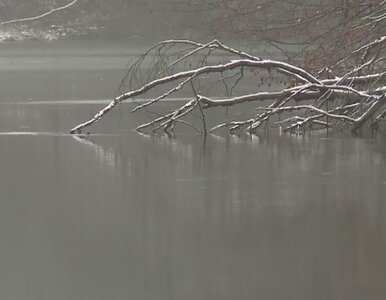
point(34, 18)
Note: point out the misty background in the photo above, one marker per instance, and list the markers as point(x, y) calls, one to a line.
point(132, 19)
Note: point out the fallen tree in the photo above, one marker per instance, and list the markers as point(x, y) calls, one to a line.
point(337, 80)
point(214, 75)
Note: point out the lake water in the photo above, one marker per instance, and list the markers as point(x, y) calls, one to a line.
point(124, 216)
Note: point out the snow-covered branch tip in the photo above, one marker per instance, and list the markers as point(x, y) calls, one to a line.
point(212, 75)
point(41, 16)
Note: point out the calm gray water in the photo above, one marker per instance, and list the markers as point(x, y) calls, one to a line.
point(124, 216)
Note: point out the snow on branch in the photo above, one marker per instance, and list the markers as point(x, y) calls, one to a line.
point(215, 75)
point(34, 18)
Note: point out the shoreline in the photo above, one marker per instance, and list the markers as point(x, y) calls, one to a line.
point(52, 33)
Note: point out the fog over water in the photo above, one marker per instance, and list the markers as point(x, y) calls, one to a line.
point(118, 215)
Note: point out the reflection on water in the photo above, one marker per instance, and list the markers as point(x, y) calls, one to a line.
point(123, 216)
point(127, 217)
point(287, 217)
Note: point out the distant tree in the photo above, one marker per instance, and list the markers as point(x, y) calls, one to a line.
point(313, 33)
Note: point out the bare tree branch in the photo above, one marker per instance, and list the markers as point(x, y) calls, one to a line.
point(34, 18)
point(181, 65)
